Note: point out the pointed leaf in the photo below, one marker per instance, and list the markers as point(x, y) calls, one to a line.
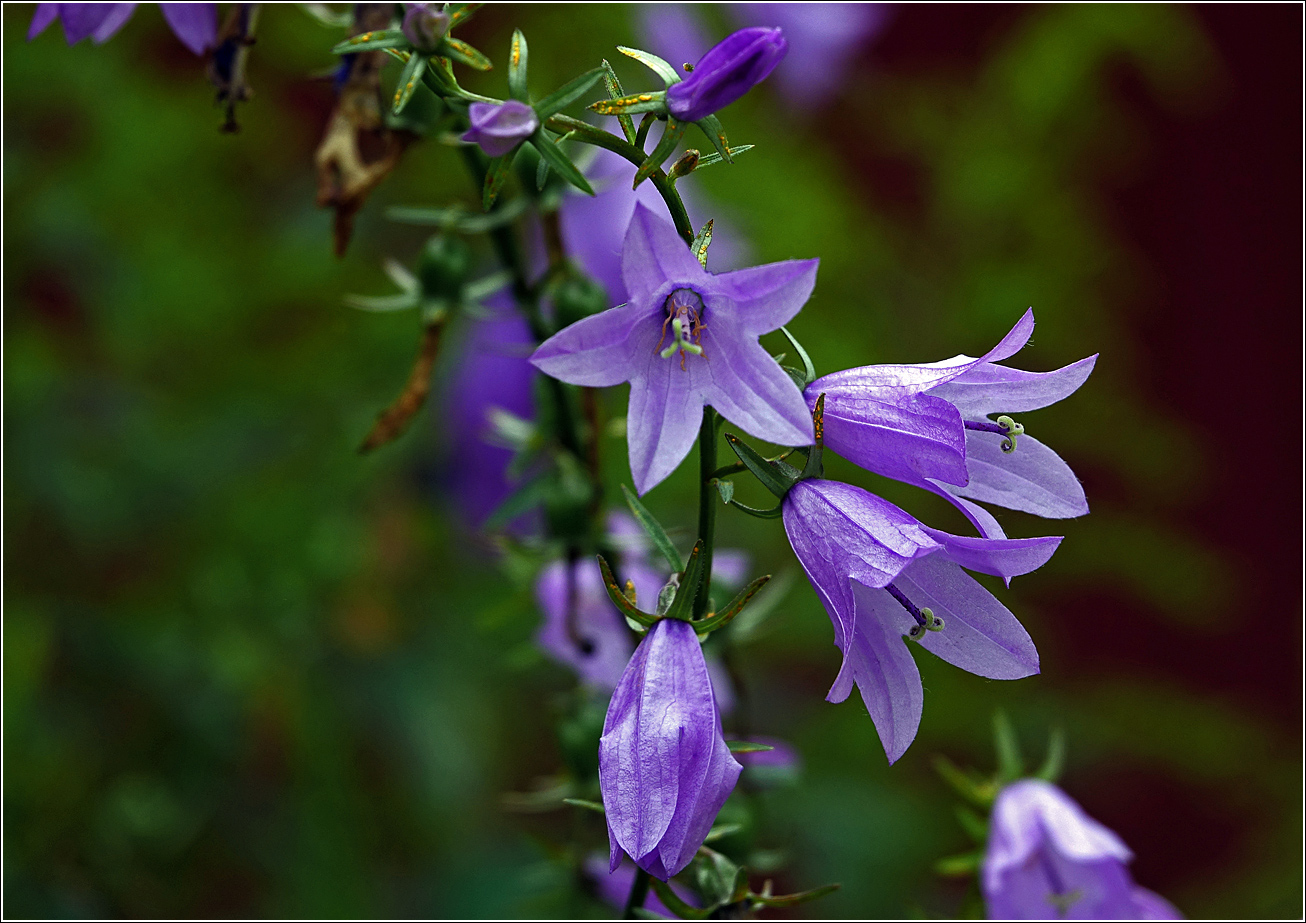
point(616, 92)
point(775, 513)
point(977, 791)
point(789, 900)
point(671, 136)
point(702, 242)
point(683, 606)
point(400, 275)
point(496, 177)
point(961, 866)
point(587, 805)
point(409, 78)
point(558, 161)
point(632, 105)
point(658, 66)
point(461, 51)
point(653, 529)
point(747, 746)
point(459, 13)
point(721, 831)
point(1056, 758)
point(1011, 765)
point(673, 902)
point(809, 370)
point(517, 68)
point(711, 126)
point(766, 472)
point(485, 287)
point(619, 598)
point(567, 94)
point(399, 302)
point(708, 160)
point(975, 826)
point(372, 41)
point(736, 605)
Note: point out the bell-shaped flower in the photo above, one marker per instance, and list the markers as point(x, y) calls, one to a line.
point(929, 425)
point(664, 768)
point(730, 69)
point(686, 339)
point(884, 577)
point(500, 127)
point(195, 24)
point(1047, 859)
point(425, 24)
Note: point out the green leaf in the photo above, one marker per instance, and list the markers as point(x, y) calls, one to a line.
point(789, 900)
point(372, 41)
point(496, 177)
point(736, 605)
point(809, 370)
point(487, 285)
point(711, 126)
point(671, 136)
point(558, 161)
point(653, 529)
point(726, 489)
point(517, 68)
point(632, 105)
point(409, 79)
point(1050, 771)
point(1011, 765)
point(765, 471)
point(961, 866)
point(400, 275)
point(673, 902)
point(708, 160)
point(587, 805)
point(541, 174)
point(977, 791)
point(567, 94)
point(974, 825)
point(747, 746)
point(715, 875)
point(619, 598)
point(721, 831)
point(683, 606)
point(461, 51)
point(774, 513)
point(457, 218)
point(615, 91)
point(702, 242)
point(459, 13)
point(658, 66)
point(400, 302)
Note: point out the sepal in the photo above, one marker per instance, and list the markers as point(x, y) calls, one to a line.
point(772, 476)
point(657, 65)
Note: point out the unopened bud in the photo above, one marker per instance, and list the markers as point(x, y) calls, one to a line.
point(686, 164)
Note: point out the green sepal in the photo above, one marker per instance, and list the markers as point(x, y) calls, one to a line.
point(815, 468)
point(457, 218)
point(979, 792)
point(809, 370)
point(671, 136)
point(657, 65)
point(587, 805)
point(711, 126)
point(789, 900)
point(401, 302)
point(373, 41)
point(718, 878)
point(619, 598)
point(976, 827)
point(673, 902)
point(409, 78)
point(774, 513)
point(747, 746)
point(683, 605)
point(517, 68)
point(641, 134)
point(960, 866)
point(559, 161)
point(615, 91)
point(725, 488)
point(708, 160)
point(702, 242)
point(1011, 765)
point(735, 606)
point(460, 51)
point(765, 471)
point(1050, 771)
point(567, 94)
point(653, 529)
point(633, 104)
point(459, 13)
point(496, 177)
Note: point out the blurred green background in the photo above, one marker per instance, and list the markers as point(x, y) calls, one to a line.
point(248, 672)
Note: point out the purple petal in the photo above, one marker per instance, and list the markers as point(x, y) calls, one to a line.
point(601, 644)
point(45, 14)
point(1032, 479)
point(989, 388)
point(730, 567)
point(115, 21)
point(730, 69)
point(885, 673)
point(82, 19)
point(748, 386)
point(768, 297)
point(662, 419)
point(594, 352)
point(980, 635)
point(196, 24)
point(981, 518)
point(1006, 558)
point(1148, 905)
point(653, 254)
point(500, 127)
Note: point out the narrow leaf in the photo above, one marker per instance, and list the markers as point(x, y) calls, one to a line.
point(961, 866)
point(671, 136)
point(461, 12)
point(496, 177)
point(802, 897)
point(747, 746)
point(587, 805)
point(400, 275)
point(809, 370)
point(409, 78)
point(1011, 765)
point(775, 513)
point(708, 160)
point(567, 94)
point(683, 606)
point(721, 831)
point(673, 902)
point(711, 126)
point(517, 68)
point(736, 605)
point(977, 791)
point(558, 161)
point(1056, 758)
point(541, 174)
point(633, 104)
point(658, 66)
point(702, 242)
point(399, 302)
point(974, 825)
point(616, 92)
point(653, 529)
point(487, 285)
point(619, 598)
point(372, 41)
point(461, 51)
point(766, 472)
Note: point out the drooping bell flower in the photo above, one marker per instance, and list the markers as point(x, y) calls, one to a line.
point(425, 24)
point(664, 767)
point(1047, 859)
point(730, 69)
point(884, 577)
point(930, 425)
point(498, 128)
point(687, 338)
point(195, 24)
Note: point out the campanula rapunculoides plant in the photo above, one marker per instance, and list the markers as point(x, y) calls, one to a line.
point(591, 293)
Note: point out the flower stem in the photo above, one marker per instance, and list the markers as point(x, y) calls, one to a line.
point(638, 892)
point(707, 503)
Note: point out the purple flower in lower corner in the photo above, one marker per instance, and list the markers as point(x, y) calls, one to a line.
point(1046, 859)
point(498, 128)
point(195, 24)
point(730, 69)
point(687, 339)
point(883, 576)
point(664, 767)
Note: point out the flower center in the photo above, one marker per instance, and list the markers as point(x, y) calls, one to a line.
point(685, 319)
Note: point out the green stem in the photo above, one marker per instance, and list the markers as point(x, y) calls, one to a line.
point(707, 503)
point(638, 892)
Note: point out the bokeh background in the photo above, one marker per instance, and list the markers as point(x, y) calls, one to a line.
point(249, 672)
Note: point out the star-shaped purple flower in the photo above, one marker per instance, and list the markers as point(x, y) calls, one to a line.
point(1047, 859)
point(687, 339)
point(882, 575)
point(929, 425)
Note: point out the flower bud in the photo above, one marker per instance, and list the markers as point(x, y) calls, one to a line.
point(425, 25)
point(500, 128)
point(444, 266)
point(729, 70)
point(664, 768)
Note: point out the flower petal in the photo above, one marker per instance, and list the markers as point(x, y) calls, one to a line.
point(989, 388)
point(117, 19)
point(981, 518)
point(907, 438)
point(768, 297)
point(748, 387)
point(653, 255)
point(195, 24)
point(45, 14)
point(663, 418)
point(980, 635)
point(1032, 479)
point(1006, 558)
point(595, 352)
point(82, 19)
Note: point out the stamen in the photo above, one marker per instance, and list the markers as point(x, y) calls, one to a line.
point(685, 315)
point(925, 618)
point(1004, 427)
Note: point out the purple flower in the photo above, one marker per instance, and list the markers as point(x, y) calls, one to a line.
point(928, 425)
point(1046, 858)
point(196, 24)
point(500, 128)
point(713, 322)
point(881, 575)
point(664, 768)
point(424, 25)
point(730, 69)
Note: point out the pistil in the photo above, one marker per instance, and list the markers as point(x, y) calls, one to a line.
point(685, 316)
